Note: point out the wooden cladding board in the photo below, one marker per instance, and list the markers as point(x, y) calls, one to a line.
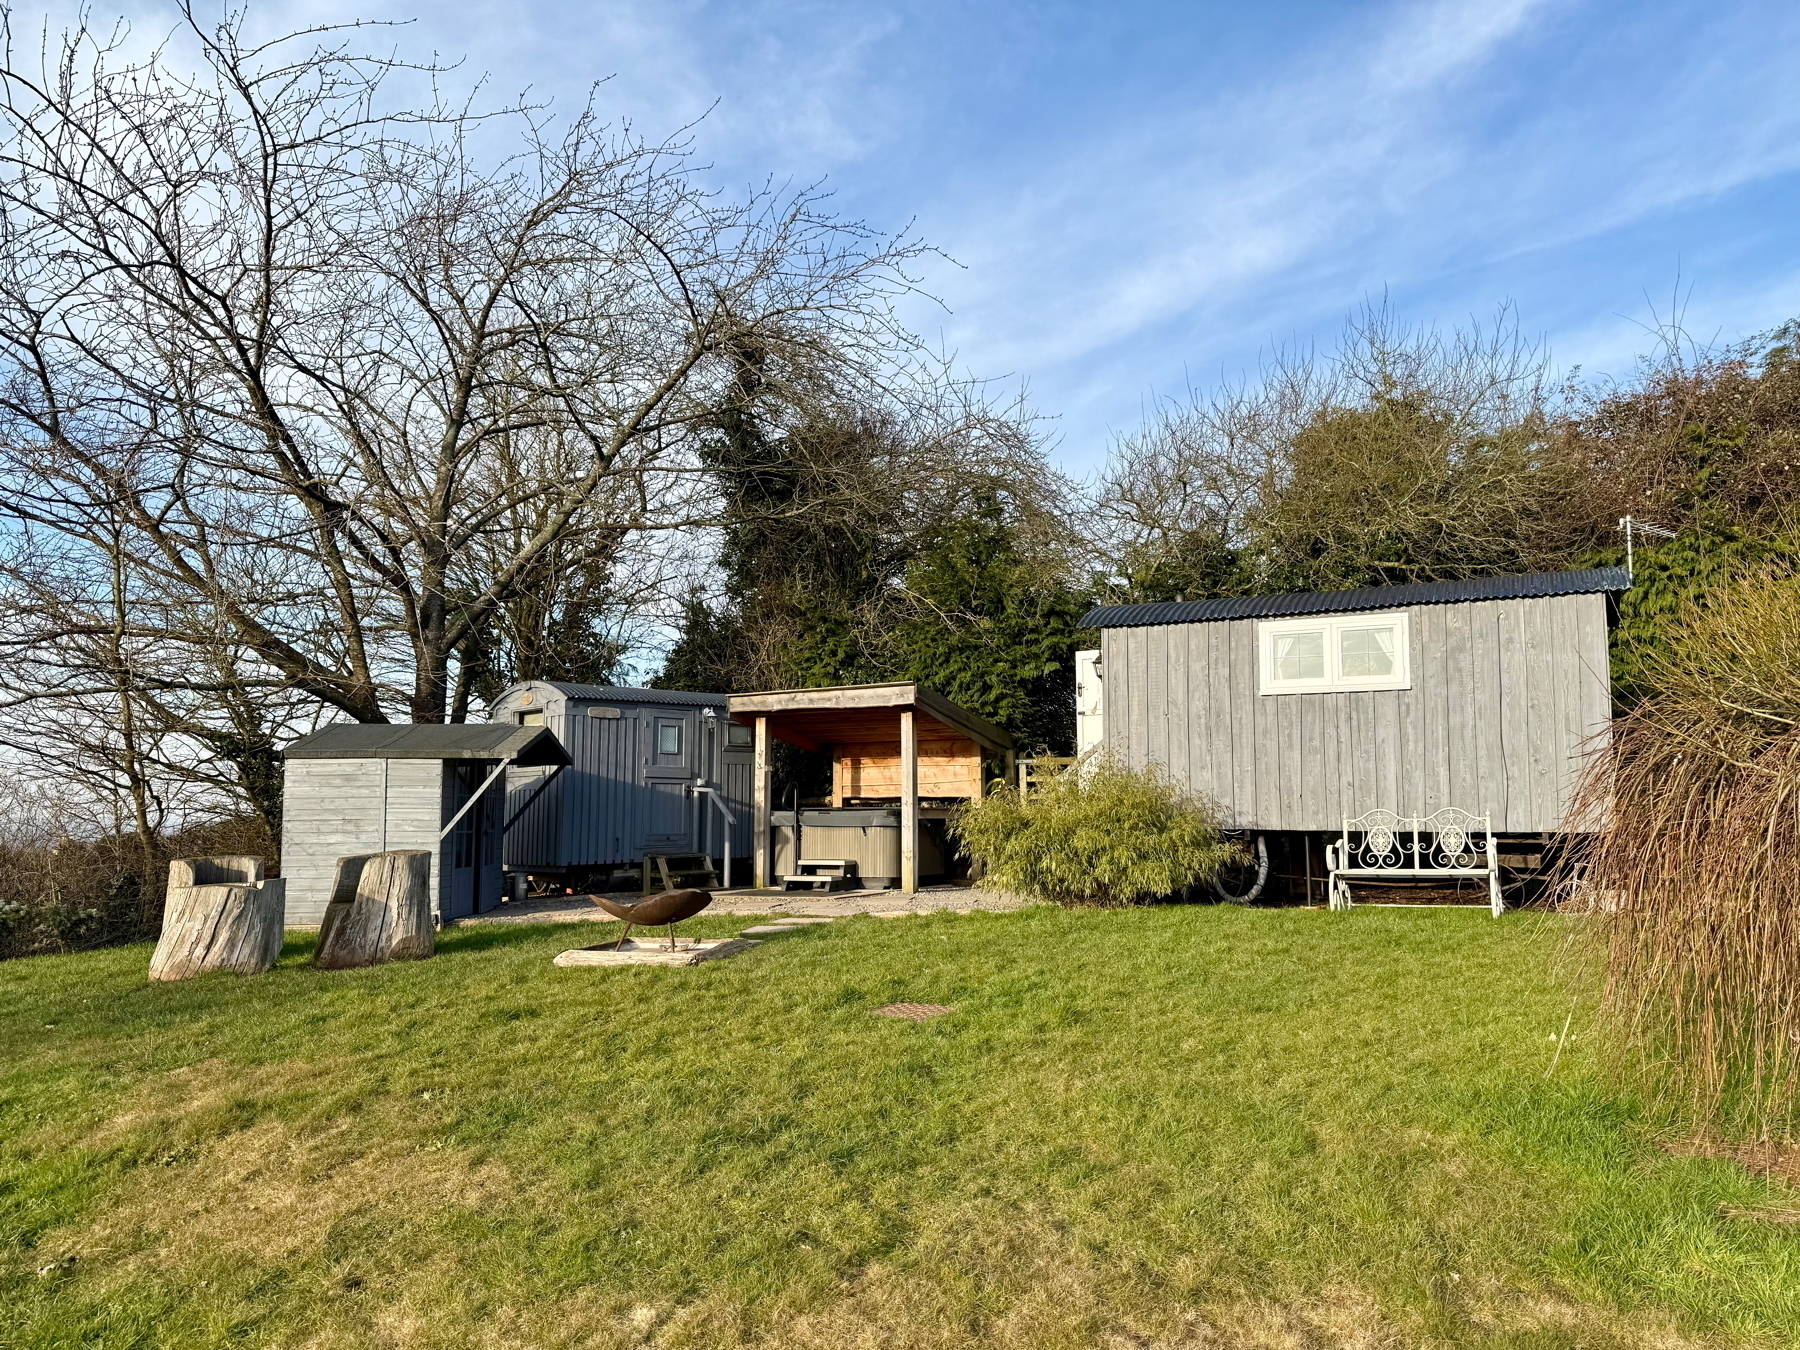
point(333, 808)
point(948, 767)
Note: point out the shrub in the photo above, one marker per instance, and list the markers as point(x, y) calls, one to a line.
point(1692, 875)
point(1098, 835)
point(59, 894)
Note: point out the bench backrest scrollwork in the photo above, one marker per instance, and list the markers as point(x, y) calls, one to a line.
point(1446, 838)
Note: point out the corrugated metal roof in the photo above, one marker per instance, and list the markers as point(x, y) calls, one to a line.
point(621, 694)
point(1369, 597)
point(525, 746)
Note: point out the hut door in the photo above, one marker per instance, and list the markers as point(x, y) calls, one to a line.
point(462, 860)
point(669, 767)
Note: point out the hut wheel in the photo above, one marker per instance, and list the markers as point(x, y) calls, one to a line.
point(1243, 882)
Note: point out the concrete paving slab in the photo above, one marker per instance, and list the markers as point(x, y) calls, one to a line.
point(772, 904)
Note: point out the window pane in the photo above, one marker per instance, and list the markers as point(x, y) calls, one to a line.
point(668, 738)
point(531, 719)
point(1367, 652)
point(1300, 656)
point(740, 735)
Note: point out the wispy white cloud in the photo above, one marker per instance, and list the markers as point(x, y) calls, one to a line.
point(1124, 220)
point(1348, 171)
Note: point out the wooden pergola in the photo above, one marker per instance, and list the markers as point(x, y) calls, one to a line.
point(899, 741)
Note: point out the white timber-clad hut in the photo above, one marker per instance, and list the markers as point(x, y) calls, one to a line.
point(355, 788)
point(652, 771)
point(1297, 713)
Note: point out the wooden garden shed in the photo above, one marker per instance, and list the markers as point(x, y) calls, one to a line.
point(357, 788)
point(897, 744)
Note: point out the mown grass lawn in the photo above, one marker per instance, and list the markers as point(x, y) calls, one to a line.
point(1165, 1127)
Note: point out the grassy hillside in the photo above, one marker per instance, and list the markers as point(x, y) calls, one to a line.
point(1172, 1128)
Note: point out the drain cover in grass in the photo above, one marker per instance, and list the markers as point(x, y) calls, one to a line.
point(913, 1012)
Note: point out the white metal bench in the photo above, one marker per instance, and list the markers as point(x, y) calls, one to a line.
point(1382, 844)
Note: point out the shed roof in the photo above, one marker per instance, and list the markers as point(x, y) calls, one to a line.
point(524, 746)
point(1529, 586)
point(847, 712)
point(617, 693)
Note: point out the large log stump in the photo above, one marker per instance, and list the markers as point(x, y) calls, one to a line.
point(380, 911)
point(220, 914)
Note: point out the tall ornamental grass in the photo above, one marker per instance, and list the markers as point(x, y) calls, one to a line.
point(1694, 877)
point(1097, 835)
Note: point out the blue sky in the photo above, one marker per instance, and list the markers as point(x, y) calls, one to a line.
point(1143, 195)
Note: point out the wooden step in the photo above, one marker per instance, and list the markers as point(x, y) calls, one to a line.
point(679, 871)
point(814, 881)
point(827, 867)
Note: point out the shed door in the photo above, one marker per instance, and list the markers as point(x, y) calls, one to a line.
point(473, 845)
point(670, 758)
point(670, 753)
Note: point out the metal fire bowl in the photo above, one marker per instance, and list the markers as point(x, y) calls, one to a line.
point(653, 911)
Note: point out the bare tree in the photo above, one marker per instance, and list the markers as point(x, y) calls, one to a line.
point(1403, 455)
point(93, 694)
point(284, 334)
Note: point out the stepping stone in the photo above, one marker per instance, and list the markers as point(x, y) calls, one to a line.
point(913, 1012)
point(767, 930)
point(795, 920)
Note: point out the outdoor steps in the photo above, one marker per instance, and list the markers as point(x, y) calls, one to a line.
point(678, 872)
point(821, 875)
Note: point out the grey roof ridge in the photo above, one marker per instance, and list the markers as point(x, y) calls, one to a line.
point(1520, 587)
point(621, 693)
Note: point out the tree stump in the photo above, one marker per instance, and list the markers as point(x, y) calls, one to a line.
point(220, 915)
point(380, 911)
point(343, 899)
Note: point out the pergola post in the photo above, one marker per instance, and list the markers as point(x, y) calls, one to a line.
point(762, 789)
point(909, 801)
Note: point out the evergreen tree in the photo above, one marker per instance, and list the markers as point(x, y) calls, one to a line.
point(993, 628)
point(811, 537)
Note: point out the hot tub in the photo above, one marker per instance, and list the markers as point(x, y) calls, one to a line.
point(867, 836)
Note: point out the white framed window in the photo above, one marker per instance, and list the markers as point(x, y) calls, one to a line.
point(1334, 654)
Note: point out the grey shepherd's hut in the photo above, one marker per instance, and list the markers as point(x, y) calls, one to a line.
point(652, 771)
point(371, 788)
point(1297, 713)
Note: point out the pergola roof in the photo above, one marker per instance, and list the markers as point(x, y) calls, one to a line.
point(814, 718)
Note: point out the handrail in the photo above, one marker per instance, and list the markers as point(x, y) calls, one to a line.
point(699, 787)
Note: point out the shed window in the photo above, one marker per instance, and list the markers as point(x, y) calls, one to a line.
point(1335, 655)
point(740, 735)
point(531, 719)
point(668, 738)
